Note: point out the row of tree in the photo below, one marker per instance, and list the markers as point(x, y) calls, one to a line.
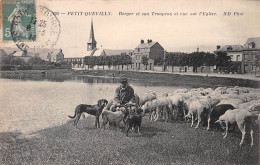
point(197, 59)
point(116, 60)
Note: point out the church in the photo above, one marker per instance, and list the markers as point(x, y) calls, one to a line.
point(92, 50)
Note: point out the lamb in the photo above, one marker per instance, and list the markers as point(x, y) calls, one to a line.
point(244, 120)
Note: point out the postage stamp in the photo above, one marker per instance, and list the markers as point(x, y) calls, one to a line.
point(28, 25)
point(18, 20)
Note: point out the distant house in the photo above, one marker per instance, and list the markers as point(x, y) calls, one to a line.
point(251, 54)
point(55, 56)
point(151, 50)
point(23, 55)
point(235, 53)
point(110, 52)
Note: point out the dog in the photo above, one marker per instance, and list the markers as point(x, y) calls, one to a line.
point(95, 110)
point(134, 120)
point(113, 117)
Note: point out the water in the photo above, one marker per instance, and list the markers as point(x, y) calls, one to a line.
point(29, 105)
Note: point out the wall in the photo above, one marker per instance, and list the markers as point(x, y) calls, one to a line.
point(156, 51)
point(235, 54)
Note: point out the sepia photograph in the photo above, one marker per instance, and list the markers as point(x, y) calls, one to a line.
point(129, 82)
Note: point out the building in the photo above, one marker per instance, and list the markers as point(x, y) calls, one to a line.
point(78, 59)
point(55, 56)
point(110, 52)
point(152, 50)
point(92, 43)
point(235, 53)
point(23, 55)
point(251, 55)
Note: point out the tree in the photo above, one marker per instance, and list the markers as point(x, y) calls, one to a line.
point(196, 60)
point(223, 61)
point(18, 61)
point(90, 61)
point(115, 60)
point(6, 59)
point(158, 61)
point(125, 59)
point(144, 61)
point(108, 61)
point(209, 59)
point(35, 60)
point(100, 61)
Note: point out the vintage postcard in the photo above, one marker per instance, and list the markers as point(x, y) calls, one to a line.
point(129, 82)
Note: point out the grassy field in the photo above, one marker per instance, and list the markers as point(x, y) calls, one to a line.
point(160, 143)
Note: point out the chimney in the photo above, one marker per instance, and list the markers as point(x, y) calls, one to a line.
point(142, 41)
point(218, 47)
point(149, 41)
point(198, 49)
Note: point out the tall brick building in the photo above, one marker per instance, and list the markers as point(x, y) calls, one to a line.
point(151, 49)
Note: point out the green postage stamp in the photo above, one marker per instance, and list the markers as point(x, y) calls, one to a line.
point(18, 20)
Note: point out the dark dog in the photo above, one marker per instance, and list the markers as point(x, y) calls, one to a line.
point(134, 120)
point(90, 109)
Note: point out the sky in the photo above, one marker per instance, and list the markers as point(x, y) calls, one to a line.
point(176, 33)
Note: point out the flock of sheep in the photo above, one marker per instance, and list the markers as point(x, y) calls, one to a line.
point(223, 105)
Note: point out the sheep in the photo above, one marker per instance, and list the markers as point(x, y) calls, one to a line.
point(217, 111)
point(244, 120)
point(177, 102)
point(233, 102)
point(184, 90)
point(164, 106)
point(200, 106)
point(194, 107)
point(144, 97)
point(150, 107)
point(247, 104)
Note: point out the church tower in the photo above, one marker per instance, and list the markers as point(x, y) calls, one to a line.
point(92, 44)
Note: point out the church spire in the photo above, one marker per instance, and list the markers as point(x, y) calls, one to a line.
point(91, 42)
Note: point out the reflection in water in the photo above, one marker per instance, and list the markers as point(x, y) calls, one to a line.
point(30, 103)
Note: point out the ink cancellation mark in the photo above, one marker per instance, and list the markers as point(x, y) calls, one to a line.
point(18, 20)
point(48, 30)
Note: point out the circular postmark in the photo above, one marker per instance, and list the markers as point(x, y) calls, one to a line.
point(41, 31)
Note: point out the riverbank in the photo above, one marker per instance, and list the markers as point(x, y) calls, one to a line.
point(160, 143)
point(35, 72)
point(174, 78)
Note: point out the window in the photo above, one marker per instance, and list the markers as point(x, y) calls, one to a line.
point(229, 48)
point(231, 57)
point(238, 58)
point(251, 45)
point(246, 57)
